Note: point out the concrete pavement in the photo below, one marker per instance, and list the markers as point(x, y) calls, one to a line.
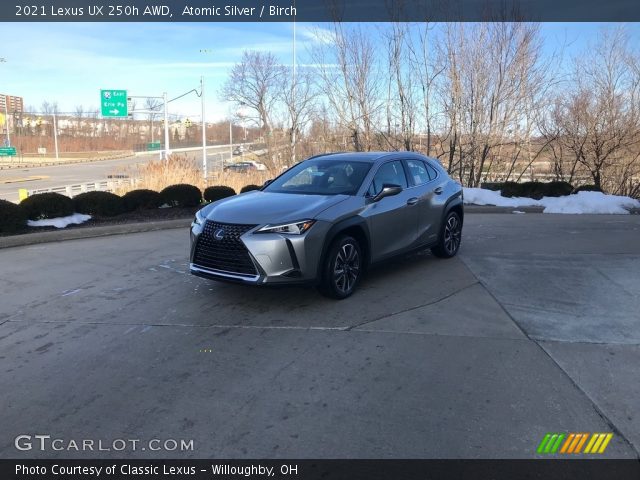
point(476, 357)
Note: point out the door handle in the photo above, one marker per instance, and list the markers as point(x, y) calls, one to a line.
point(412, 201)
point(438, 191)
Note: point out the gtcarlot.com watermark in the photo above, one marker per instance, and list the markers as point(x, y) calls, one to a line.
point(47, 443)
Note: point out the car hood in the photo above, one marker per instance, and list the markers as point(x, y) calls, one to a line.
point(265, 207)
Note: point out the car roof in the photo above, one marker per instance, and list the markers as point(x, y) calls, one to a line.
point(371, 157)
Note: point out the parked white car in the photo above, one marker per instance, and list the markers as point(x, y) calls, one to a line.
point(258, 165)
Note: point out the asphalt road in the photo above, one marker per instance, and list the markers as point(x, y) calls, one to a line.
point(533, 328)
point(69, 174)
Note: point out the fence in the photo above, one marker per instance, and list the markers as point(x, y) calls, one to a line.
point(73, 190)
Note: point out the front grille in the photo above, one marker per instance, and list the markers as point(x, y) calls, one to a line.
point(228, 254)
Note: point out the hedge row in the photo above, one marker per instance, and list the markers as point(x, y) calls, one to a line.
point(14, 217)
point(537, 190)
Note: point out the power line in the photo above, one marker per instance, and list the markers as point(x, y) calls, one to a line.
point(92, 112)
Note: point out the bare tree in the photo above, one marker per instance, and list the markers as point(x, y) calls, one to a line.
point(152, 106)
point(402, 96)
point(79, 114)
point(426, 67)
point(254, 83)
point(298, 97)
point(349, 79)
point(599, 119)
point(492, 75)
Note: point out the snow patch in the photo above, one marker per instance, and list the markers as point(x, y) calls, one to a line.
point(579, 203)
point(590, 202)
point(480, 196)
point(60, 222)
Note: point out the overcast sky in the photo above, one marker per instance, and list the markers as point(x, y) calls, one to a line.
point(69, 63)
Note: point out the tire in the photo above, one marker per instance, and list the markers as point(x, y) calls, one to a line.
point(337, 281)
point(450, 236)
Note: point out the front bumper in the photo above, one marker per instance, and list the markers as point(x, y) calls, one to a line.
point(276, 258)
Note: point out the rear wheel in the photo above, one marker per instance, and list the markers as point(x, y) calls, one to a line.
point(342, 268)
point(450, 236)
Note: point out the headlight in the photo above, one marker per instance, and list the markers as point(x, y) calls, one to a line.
point(296, 228)
point(199, 219)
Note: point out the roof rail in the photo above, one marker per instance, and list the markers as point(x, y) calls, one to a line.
point(324, 154)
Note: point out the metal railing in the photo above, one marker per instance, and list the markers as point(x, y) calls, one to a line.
point(75, 189)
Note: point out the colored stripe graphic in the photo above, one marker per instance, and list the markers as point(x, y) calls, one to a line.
point(543, 443)
point(565, 447)
point(555, 447)
point(551, 442)
point(605, 444)
point(594, 437)
point(583, 439)
point(573, 443)
point(598, 442)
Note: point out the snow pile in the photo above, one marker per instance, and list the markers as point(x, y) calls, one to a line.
point(480, 196)
point(60, 222)
point(589, 202)
point(579, 203)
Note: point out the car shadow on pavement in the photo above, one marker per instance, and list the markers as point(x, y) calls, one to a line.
point(394, 286)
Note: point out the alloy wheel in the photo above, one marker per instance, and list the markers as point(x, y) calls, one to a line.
point(452, 234)
point(346, 268)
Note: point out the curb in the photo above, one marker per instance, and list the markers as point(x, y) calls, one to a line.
point(494, 209)
point(16, 166)
point(91, 232)
point(140, 227)
point(531, 209)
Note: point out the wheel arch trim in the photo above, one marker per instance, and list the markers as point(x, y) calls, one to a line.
point(342, 226)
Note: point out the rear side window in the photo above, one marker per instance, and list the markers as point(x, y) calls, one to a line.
point(433, 173)
point(391, 173)
point(418, 172)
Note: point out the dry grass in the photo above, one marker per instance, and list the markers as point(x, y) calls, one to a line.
point(238, 180)
point(158, 174)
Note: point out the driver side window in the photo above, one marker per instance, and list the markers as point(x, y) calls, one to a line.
point(389, 173)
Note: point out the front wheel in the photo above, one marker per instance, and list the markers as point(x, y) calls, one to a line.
point(450, 236)
point(342, 268)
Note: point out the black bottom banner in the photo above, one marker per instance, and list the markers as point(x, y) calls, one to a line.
point(320, 469)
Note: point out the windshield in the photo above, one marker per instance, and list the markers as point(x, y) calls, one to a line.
point(322, 177)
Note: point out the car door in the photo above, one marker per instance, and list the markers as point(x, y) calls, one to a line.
point(393, 221)
point(428, 189)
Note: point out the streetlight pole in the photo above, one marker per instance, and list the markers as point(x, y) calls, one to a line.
point(167, 151)
point(6, 111)
point(294, 82)
point(230, 139)
point(6, 119)
point(204, 132)
point(55, 134)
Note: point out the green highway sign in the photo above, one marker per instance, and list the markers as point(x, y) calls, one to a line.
point(154, 146)
point(113, 103)
point(8, 151)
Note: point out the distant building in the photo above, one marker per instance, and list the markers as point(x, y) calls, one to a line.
point(11, 104)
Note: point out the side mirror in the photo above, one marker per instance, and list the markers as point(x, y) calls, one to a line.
point(267, 183)
point(388, 190)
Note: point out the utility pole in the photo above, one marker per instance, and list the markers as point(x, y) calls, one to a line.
point(6, 119)
point(204, 132)
point(55, 133)
point(294, 82)
point(167, 151)
point(230, 139)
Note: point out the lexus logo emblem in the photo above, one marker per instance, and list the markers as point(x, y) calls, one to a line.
point(218, 234)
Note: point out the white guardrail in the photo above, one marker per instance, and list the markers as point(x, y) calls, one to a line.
point(75, 189)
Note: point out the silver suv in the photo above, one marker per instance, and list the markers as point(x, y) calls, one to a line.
point(326, 219)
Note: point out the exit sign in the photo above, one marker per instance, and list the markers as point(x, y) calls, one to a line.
point(113, 103)
point(8, 152)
